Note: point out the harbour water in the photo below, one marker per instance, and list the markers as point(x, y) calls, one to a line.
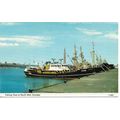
point(13, 80)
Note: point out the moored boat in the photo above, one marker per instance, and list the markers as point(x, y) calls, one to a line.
point(79, 68)
point(56, 71)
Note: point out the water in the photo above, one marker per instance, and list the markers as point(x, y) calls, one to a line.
point(13, 80)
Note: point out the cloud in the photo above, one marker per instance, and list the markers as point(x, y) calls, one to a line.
point(112, 36)
point(40, 41)
point(8, 23)
point(8, 44)
point(89, 32)
point(109, 35)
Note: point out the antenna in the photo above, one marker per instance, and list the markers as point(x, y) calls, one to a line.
point(60, 61)
point(53, 59)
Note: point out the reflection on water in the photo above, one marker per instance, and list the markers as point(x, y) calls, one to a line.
point(13, 80)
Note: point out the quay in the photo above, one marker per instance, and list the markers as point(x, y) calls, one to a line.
point(104, 82)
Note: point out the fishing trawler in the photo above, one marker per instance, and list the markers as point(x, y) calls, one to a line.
point(55, 71)
point(59, 70)
point(77, 69)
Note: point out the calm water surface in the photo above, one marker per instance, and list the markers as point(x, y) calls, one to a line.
point(13, 80)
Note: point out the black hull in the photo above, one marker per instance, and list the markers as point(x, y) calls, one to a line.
point(75, 74)
point(69, 75)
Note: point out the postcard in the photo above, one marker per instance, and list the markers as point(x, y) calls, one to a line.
point(58, 59)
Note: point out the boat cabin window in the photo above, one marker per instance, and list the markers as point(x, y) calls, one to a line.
point(55, 65)
point(65, 65)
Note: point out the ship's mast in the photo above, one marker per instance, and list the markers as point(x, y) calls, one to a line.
point(100, 59)
point(64, 56)
point(75, 56)
point(97, 60)
point(93, 54)
point(81, 56)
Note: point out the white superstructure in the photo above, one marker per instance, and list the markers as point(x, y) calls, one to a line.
point(58, 67)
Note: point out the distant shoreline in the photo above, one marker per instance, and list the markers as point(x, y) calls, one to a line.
point(12, 65)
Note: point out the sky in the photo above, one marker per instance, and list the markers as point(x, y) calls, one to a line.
point(33, 42)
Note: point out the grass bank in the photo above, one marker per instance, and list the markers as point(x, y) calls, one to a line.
point(105, 82)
